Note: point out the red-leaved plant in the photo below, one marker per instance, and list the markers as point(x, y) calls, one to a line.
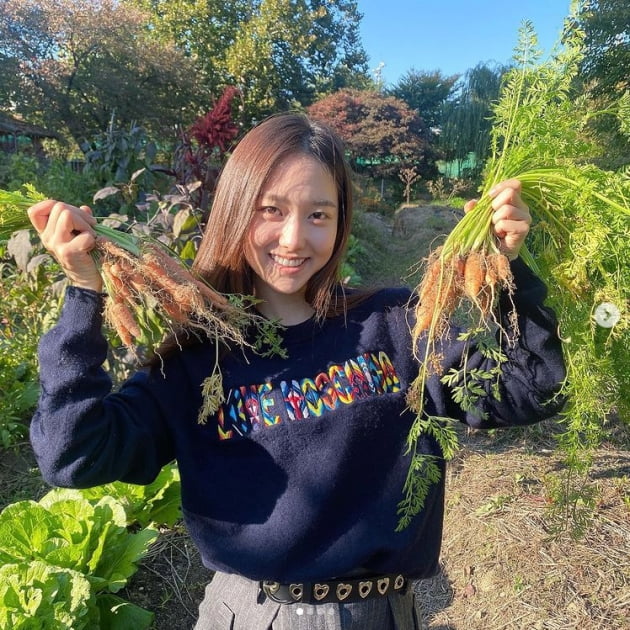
point(203, 147)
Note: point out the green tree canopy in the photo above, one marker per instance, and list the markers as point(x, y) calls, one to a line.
point(382, 134)
point(606, 25)
point(280, 53)
point(426, 92)
point(79, 61)
point(605, 72)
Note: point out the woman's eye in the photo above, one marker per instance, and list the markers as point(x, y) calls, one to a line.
point(319, 215)
point(270, 211)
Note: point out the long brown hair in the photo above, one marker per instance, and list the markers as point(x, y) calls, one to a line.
point(221, 256)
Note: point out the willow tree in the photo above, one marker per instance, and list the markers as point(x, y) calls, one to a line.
point(466, 118)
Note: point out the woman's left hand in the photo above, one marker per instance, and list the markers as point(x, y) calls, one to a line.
point(511, 218)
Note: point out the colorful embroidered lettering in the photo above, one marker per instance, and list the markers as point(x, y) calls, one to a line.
point(254, 407)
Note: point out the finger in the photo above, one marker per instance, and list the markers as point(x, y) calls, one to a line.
point(38, 214)
point(73, 253)
point(70, 218)
point(64, 223)
point(514, 229)
point(508, 197)
point(507, 212)
point(88, 211)
point(513, 184)
point(469, 205)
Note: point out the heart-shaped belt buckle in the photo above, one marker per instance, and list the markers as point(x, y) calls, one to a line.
point(365, 588)
point(382, 585)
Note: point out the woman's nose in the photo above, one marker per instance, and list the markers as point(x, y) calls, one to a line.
point(292, 234)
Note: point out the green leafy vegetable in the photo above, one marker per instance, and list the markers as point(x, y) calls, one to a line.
point(82, 547)
point(37, 595)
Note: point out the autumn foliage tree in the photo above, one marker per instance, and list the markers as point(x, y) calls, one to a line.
point(76, 62)
point(382, 133)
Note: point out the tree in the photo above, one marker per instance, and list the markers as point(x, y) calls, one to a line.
point(203, 30)
point(281, 53)
point(264, 57)
point(466, 119)
point(336, 57)
point(382, 133)
point(78, 61)
point(604, 71)
point(606, 25)
point(426, 92)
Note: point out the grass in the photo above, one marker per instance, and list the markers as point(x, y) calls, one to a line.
point(503, 568)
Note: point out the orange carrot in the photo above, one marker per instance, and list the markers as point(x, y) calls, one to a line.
point(175, 311)
point(424, 315)
point(431, 279)
point(502, 266)
point(185, 277)
point(474, 274)
point(121, 318)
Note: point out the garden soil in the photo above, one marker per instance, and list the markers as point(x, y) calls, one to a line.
point(508, 560)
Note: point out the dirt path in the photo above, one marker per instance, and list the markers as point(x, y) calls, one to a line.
point(396, 245)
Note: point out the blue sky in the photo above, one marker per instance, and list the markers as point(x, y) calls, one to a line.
point(452, 35)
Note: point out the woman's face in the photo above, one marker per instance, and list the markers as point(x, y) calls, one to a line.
point(292, 235)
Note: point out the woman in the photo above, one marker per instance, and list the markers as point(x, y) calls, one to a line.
point(291, 490)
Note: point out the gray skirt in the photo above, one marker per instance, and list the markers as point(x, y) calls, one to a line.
point(232, 602)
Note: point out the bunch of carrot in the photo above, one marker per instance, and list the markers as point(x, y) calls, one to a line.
point(459, 272)
point(538, 138)
point(155, 287)
point(150, 290)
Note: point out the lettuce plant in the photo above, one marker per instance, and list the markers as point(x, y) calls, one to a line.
point(67, 557)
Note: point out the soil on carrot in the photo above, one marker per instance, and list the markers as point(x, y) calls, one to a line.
point(507, 561)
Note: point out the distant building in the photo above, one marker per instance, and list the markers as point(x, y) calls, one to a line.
point(17, 135)
point(459, 168)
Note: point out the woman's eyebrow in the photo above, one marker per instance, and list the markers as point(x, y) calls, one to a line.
point(272, 198)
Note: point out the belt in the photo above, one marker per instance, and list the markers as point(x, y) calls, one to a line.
point(342, 590)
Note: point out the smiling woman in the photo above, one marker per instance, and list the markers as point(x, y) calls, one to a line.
point(255, 168)
point(291, 483)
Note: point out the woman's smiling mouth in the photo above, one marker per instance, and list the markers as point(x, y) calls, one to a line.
point(287, 262)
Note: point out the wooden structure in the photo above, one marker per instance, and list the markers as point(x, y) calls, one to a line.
point(17, 135)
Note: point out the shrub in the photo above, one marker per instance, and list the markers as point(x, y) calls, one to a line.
point(22, 324)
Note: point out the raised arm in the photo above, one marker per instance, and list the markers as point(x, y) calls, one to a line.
point(83, 435)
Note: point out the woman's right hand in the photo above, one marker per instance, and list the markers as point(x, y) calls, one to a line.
point(66, 232)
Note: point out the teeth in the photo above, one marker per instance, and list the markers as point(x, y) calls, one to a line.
point(288, 262)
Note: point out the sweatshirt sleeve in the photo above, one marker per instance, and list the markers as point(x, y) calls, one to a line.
point(81, 433)
point(531, 377)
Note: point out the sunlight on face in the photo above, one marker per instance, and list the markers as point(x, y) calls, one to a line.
point(292, 235)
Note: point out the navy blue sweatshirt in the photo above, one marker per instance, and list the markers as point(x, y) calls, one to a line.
point(299, 475)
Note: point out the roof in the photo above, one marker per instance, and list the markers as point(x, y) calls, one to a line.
point(14, 126)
